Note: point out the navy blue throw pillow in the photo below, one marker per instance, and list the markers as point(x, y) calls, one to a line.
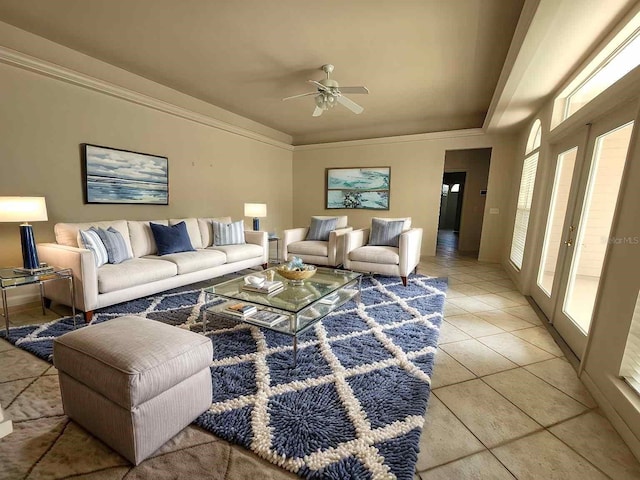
point(172, 239)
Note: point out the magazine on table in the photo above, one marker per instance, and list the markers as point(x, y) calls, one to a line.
point(240, 309)
point(267, 318)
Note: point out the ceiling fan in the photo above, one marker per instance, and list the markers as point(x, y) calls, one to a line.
point(329, 93)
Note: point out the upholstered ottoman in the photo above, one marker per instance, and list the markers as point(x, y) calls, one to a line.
point(132, 382)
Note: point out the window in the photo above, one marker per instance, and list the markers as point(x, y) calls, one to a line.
point(455, 188)
point(630, 369)
point(525, 195)
point(445, 189)
point(614, 61)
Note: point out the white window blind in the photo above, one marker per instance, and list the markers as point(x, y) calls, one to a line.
point(523, 210)
point(630, 368)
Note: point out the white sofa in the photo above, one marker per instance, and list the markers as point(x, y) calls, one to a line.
point(146, 273)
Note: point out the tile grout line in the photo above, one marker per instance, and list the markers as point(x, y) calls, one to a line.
point(35, 464)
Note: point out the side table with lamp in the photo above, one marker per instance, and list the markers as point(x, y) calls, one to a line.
point(29, 209)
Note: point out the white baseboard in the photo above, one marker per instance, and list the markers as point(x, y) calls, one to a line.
point(610, 412)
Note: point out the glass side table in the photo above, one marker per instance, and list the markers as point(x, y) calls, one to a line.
point(10, 279)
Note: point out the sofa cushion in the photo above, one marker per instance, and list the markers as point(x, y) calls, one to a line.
point(228, 233)
point(321, 228)
point(171, 239)
point(67, 233)
point(142, 241)
point(91, 241)
point(134, 272)
point(206, 229)
point(187, 262)
point(376, 254)
point(192, 228)
point(309, 247)
point(115, 244)
point(237, 253)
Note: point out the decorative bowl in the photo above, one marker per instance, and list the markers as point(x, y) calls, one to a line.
point(296, 276)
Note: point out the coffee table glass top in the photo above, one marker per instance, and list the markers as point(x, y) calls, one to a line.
point(293, 298)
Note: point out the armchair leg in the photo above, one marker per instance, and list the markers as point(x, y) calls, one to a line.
point(404, 281)
point(88, 316)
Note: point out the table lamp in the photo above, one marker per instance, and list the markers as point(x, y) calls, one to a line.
point(25, 209)
point(257, 211)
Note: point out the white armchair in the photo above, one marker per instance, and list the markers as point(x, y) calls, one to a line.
point(384, 259)
point(328, 252)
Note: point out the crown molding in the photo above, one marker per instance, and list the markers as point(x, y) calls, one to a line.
point(33, 64)
point(418, 137)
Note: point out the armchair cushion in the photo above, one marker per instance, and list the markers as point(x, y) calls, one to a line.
point(375, 254)
point(320, 228)
point(309, 247)
point(385, 232)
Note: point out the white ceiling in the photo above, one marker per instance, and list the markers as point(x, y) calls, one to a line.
point(430, 65)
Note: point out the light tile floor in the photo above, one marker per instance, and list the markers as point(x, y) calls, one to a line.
point(506, 404)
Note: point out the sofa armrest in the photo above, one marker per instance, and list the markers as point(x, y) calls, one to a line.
point(259, 238)
point(410, 244)
point(335, 247)
point(289, 236)
point(352, 240)
point(85, 274)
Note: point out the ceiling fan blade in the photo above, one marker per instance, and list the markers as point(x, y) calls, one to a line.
point(363, 90)
point(317, 112)
point(350, 104)
point(301, 95)
point(319, 85)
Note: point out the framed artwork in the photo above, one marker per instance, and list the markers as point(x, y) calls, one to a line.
point(361, 188)
point(120, 176)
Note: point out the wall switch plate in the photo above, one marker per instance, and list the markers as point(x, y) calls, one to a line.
point(494, 211)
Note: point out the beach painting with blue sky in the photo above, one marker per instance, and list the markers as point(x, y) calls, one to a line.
point(120, 176)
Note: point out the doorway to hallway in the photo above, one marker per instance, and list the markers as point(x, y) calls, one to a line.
point(462, 201)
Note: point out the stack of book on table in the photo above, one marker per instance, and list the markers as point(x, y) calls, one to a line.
point(240, 309)
point(268, 287)
point(266, 318)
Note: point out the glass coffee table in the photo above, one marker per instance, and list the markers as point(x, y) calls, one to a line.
point(298, 307)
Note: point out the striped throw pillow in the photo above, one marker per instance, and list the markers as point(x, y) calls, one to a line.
point(228, 233)
point(90, 240)
point(115, 244)
point(320, 228)
point(385, 232)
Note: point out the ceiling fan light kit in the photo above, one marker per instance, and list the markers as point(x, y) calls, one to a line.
point(329, 93)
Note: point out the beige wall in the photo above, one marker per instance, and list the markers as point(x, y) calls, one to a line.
point(417, 165)
point(475, 162)
point(211, 172)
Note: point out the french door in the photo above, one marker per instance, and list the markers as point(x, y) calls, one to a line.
point(588, 166)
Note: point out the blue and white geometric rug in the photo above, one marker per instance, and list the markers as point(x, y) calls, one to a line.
point(354, 406)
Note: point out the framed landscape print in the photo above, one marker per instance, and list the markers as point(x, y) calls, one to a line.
point(120, 176)
point(361, 188)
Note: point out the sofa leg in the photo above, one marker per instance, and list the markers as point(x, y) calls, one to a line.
point(404, 281)
point(265, 266)
point(88, 316)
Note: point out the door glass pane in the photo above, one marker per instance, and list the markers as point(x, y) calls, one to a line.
point(557, 210)
point(609, 155)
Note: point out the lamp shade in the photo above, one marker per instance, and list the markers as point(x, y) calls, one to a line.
point(23, 209)
point(255, 210)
